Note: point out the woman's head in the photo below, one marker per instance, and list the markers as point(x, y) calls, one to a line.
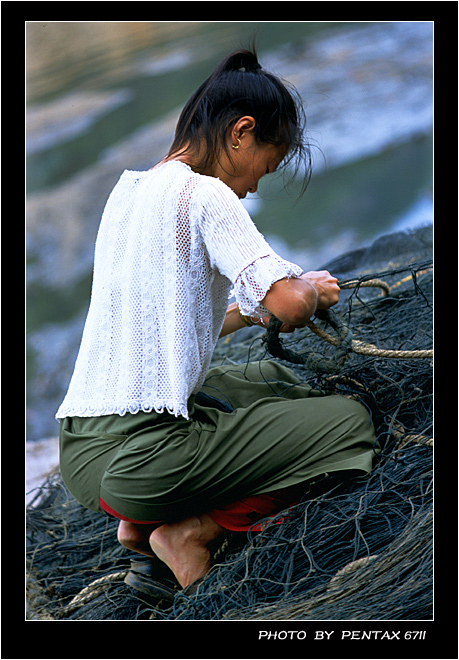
point(208, 128)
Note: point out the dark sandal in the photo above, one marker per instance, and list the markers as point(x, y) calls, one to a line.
point(153, 578)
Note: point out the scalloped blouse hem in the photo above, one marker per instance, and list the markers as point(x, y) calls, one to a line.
point(99, 411)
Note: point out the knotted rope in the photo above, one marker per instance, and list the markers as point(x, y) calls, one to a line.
point(344, 341)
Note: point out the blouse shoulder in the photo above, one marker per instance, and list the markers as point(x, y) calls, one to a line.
point(212, 186)
point(206, 192)
point(217, 198)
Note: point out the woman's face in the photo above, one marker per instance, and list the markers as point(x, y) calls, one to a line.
point(247, 162)
point(250, 162)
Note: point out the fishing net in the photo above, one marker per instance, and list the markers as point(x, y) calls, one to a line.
point(361, 549)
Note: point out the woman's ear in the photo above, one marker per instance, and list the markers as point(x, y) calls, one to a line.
point(244, 125)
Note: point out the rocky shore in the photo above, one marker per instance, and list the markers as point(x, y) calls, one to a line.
point(42, 457)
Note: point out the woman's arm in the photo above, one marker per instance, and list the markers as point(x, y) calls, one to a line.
point(295, 300)
point(233, 320)
point(292, 301)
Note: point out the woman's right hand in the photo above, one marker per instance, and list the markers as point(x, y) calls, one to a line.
point(326, 286)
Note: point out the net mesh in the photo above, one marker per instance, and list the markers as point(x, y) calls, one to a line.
point(354, 550)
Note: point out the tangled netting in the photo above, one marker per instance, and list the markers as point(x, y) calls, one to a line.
point(354, 550)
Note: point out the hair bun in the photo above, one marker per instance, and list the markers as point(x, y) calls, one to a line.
point(242, 60)
point(253, 67)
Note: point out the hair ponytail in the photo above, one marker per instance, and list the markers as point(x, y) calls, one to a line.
point(240, 87)
point(243, 61)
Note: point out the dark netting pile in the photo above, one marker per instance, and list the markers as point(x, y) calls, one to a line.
point(360, 550)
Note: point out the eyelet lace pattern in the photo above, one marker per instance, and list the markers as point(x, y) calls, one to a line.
point(172, 247)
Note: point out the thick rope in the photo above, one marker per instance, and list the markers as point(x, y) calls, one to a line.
point(369, 349)
point(369, 283)
point(336, 583)
point(94, 589)
point(344, 341)
point(398, 432)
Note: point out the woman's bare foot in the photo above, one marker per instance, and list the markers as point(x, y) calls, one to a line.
point(183, 546)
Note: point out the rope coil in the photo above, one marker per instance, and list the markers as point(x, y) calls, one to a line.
point(344, 341)
point(94, 589)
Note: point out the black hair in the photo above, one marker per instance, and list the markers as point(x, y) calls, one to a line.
point(240, 87)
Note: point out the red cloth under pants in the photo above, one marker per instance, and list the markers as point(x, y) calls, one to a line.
point(239, 516)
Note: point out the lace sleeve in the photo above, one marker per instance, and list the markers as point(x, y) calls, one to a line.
point(254, 282)
point(236, 248)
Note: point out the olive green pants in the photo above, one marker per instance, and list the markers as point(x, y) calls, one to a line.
point(152, 466)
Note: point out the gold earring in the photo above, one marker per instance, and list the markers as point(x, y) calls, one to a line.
point(238, 144)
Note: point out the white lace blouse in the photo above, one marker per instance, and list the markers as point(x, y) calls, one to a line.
point(172, 247)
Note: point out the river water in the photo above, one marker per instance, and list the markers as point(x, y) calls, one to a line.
point(102, 97)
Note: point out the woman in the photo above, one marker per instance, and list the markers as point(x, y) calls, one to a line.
point(138, 440)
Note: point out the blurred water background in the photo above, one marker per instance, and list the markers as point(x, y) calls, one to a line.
point(104, 97)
